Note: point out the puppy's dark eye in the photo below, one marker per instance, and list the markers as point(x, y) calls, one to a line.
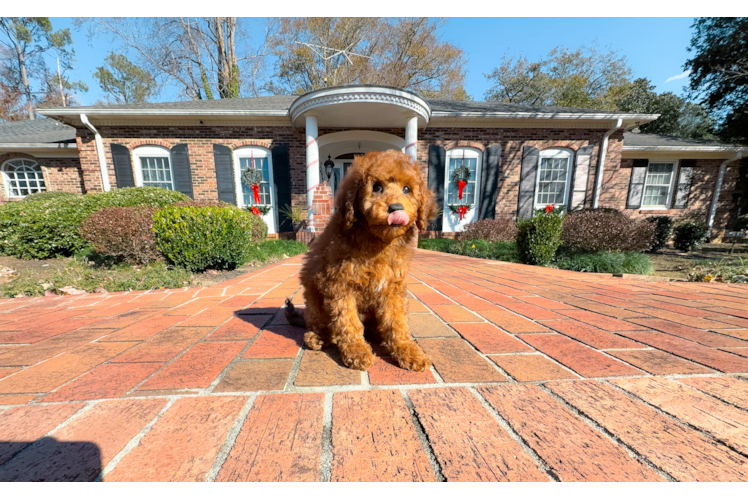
point(406, 189)
point(377, 187)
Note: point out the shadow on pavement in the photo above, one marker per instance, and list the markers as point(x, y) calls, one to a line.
point(49, 460)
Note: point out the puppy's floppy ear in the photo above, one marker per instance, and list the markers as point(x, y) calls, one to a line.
point(347, 200)
point(426, 210)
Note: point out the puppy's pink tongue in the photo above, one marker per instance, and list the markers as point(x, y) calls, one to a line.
point(398, 218)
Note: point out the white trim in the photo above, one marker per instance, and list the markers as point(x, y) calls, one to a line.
point(546, 115)
point(159, 111)
point(673, 174)
point(554, 153)
point(6, 180)
point(270, 218)
point(38, 145)
point(451, 221)
point(150, 151)
point(359, 93)
point(685, 149)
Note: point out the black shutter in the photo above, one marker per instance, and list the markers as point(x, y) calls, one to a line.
point(437, 164)
point(527, 177)
point(180, 164)
point(684, 183)
point(489, 179)
point(122, 166)
point(282, 179)
point(224, 174)
point(636, 186)
point(581, 176)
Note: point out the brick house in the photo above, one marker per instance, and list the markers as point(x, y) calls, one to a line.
point(519, 157)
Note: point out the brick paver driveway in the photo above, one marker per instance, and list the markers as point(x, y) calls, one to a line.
point(538, 375)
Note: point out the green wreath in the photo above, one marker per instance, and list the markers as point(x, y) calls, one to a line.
point(455, 208)
point(252, 176)
point(461, 173)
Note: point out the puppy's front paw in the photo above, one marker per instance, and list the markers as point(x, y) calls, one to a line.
point(411, 357)
point(313, 341)
point(357, 356)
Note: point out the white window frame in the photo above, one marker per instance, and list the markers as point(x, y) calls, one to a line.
point(669, 199)
point(6, 179)
point(450, 221)
point(554, 153)
point(271, 218)
point(150, 152)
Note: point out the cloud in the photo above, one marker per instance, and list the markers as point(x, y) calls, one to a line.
point(678, 77)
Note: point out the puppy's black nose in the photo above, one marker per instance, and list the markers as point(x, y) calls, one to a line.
point(394, 207)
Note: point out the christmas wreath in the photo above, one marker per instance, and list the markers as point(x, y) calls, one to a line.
point(259, 209)
point(461, 210)
point(252, 177)
point(460, 176)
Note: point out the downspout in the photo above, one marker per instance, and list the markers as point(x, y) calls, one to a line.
point(601, 163)
point(718, 189)
point(100, 153)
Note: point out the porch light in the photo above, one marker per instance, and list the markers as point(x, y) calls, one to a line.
point(329, 165)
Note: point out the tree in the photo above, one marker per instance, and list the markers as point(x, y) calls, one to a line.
point(124, 81)
point(678, 117)
point(719, 77)
point(200, 55)
point(28, 39)
point(11, 103)
point(582, 78)
point(404, 53)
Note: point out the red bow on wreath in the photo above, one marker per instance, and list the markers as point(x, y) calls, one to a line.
point(256, 211)
point(462, 211)
point(549, 209)
point(256, 191)
point(460, 186)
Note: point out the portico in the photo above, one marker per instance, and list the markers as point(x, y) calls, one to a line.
point(362, 110)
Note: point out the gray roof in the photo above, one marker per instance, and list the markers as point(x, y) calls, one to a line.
point(446, 106)
point(283, 103)
point(632, 139)
point(35, 131)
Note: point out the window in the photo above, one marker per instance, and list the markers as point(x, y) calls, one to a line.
point(22, 177)
point(259, 159)
point(554, 172)
point(153, 167)
point(469, 158)
point(658, 185)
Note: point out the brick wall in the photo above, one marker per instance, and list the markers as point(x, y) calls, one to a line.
point(60, 174)
point(703, 183)
point(201, 138)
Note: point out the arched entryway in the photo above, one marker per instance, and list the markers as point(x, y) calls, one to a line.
point(342, 147)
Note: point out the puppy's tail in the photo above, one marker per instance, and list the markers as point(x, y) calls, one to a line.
point(293, 316)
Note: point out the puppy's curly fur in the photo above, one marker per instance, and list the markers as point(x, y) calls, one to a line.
point(354, 272)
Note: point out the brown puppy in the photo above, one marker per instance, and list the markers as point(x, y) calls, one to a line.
point(355, 270)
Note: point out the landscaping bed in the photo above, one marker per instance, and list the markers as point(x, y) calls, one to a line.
point(128, 239)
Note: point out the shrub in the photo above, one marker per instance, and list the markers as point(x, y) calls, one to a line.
point(47, 195)
point(490, 230)
point(497, 250)
point(539, 238)
point(42, 228)
point(689, 236)
point(605, 262)
point(437, 245)
point(198, 238)
point(125, 233)
point(663, 231)
point(593, 230)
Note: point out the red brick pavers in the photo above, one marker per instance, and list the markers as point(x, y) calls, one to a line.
point(538, 375)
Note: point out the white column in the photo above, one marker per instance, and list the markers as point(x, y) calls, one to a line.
point(411, 137)
point(312, 166)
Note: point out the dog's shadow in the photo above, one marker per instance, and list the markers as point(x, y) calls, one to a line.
point(47, 460)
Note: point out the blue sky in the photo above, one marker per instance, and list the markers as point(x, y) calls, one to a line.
point(655, 48)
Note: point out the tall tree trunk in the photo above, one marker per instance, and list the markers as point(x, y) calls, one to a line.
point(25, 80)
point(197, 59)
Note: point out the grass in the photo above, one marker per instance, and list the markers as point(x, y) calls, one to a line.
point(605, 262)
point(499, 250)
point(89, 272)
point(723, 271)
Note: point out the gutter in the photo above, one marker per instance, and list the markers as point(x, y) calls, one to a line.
point(686, 149)
point(601, 163)
point(100, 151)
point(718, 189)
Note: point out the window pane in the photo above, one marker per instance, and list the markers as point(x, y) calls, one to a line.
point(659, 178)
point(263, 165)
point(468, 193)
point(552, 181)
point(24, 177)
point(156, 172)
